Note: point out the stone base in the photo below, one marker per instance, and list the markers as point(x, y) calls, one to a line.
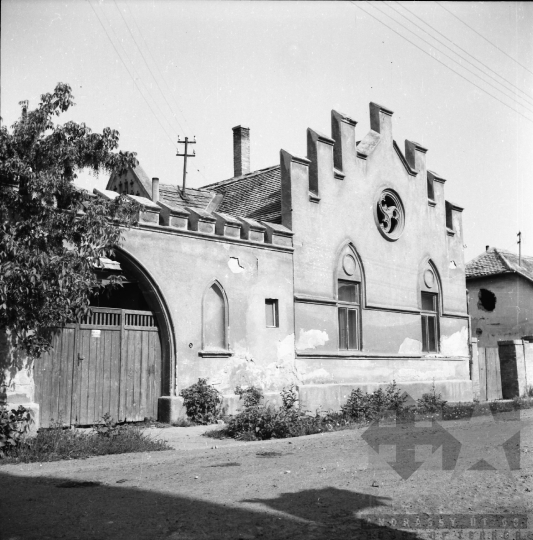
point(330, 397)
point(34, 411)
point(170, 409)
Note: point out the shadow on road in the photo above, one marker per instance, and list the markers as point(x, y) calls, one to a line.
point(48, 507)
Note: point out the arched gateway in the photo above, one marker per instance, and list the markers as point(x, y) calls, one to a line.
point(118, 360)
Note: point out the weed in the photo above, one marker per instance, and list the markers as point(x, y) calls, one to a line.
point(252, 395)
point(431, 402)
point(14, 424)
point(362, 406)
point(56, 443)
point(202, 402)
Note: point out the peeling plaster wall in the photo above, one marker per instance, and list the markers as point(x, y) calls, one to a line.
point(512, 317)
point(183, 267)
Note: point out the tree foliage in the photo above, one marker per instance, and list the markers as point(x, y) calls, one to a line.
point(51, 232)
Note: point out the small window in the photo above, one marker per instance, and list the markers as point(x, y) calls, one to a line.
point(349, 315)
point(348, 292)
point(428, 302)
point(430, 339)
point(431, 188)
point(271, 313)
point(449, 216)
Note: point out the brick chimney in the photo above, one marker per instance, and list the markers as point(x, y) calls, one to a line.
point(155, 189)
point(241, 150)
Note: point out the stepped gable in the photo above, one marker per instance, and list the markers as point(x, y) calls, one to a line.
point(173, 196)
point(499, 261)
point(255, 195)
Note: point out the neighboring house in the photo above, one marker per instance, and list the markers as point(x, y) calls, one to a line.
point(500, 290)
point(337, 270)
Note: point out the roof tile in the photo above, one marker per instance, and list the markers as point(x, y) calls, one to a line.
point(496, 261)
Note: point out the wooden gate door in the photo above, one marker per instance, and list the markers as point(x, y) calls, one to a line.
point(490, 380)
point(111, 363)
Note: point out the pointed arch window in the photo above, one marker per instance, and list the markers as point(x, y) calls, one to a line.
point(429, 309)
point(348, 284)
point(215, 322)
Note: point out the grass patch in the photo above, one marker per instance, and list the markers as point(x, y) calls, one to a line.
point(57, 443)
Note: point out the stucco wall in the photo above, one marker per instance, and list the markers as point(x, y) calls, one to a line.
point(512, 317)
point(184, 266)
point(341, 211)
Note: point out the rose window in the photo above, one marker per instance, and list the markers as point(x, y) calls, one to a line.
point(390, 215)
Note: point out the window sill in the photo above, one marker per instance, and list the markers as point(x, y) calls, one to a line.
point(218, 353)
point(450, 232)
point(432, 202)
point(313, 197)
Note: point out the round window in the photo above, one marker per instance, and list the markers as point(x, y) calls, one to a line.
point(390, 215)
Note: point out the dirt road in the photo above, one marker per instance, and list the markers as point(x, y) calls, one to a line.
point(317, 487)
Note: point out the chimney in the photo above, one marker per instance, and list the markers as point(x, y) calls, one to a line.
point(487, 248)
point(241, 150)
point(155, 189)
point(24, 104)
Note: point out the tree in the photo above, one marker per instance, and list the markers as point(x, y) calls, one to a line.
point(51, 232)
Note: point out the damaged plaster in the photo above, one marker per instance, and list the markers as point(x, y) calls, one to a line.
point(311, 339)
point(456, 344)
point(410, 346)
point(235, 265)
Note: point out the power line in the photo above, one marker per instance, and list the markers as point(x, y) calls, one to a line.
point(482, 36)
point(463, 50)
point(129, 73)
point(440, 62)
point(449, 57)
point(147, 65)
point(157, 67)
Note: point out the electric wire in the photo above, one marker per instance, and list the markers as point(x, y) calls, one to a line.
point(528, 98)
point(449, 57)
point(440, 62)
point(148, 66)
point(482, 36)
point(157, 67)
point(129, 73)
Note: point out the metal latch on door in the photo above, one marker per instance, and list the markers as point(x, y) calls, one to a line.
point(80, 358)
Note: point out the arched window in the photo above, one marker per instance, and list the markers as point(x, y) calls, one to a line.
point(429, 308)
point(215, 319)
point(348, 283)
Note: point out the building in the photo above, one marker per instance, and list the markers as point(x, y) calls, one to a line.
point(500, 289)
point(337, 270)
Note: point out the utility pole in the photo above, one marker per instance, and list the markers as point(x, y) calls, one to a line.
point(519, 248)
point(185, 155)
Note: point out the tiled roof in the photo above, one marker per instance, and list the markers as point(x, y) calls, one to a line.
point(256, 195)
point(172, 195)
point(496, 261)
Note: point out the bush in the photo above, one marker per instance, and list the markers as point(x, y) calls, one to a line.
point(252, 395)
point(362, 406)
point(202, 402)
point(431, 402)
point(14, 424)
point(57, 443)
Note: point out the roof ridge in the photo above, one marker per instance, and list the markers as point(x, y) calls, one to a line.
point(502, 258)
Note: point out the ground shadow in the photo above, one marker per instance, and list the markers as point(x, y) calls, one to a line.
point(48, 507)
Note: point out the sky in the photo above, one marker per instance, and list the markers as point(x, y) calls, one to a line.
point(155, 70)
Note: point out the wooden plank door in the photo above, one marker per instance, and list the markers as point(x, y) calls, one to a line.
point(111, 363)
point(53, 377)
point(97, 367)
point(482, 374)
point(141, 366)
point(494, 379)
